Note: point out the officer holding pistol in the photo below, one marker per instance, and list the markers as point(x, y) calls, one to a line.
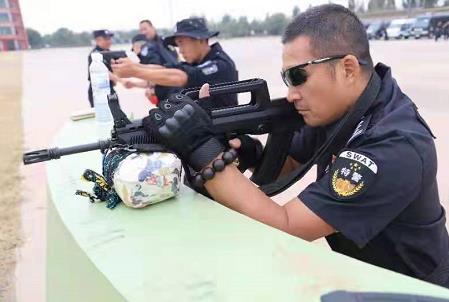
point(204, 63)
point(155, 50)
point(103, 42)
point(376, 196)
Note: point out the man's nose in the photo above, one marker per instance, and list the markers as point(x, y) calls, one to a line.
point(293, 94)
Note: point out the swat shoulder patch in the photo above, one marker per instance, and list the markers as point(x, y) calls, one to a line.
point(351, 174)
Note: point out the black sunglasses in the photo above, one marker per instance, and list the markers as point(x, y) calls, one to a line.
point(297, 75)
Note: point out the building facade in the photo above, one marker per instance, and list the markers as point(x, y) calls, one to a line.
point(12, 32)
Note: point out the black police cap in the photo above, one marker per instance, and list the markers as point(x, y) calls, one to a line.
point(195, 28)
point(103, 33)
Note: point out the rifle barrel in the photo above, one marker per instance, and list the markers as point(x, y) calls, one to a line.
point(55, 153)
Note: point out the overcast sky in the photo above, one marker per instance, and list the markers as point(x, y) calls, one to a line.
point(48, 15)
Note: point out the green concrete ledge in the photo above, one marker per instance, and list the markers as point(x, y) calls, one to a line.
point(186, 249)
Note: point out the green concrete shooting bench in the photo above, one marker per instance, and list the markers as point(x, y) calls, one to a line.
point(189, 248)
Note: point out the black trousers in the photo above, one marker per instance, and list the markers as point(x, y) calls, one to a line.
point(90, 96)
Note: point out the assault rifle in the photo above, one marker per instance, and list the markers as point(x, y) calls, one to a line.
point(277, 118)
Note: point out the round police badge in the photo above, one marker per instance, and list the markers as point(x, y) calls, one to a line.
point(351, 174)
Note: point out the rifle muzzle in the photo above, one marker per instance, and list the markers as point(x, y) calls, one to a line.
point(55, 153)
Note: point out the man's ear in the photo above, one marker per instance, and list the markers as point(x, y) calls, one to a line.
point(351, 68)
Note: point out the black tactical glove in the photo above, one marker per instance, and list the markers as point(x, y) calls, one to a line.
point(250, 152)
point(184, 127)
point(206, 103)
point(251, 149)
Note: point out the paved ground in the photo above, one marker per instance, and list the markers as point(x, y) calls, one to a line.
point(10, 154)
point(55, 85)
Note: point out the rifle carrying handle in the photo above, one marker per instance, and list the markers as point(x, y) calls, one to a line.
point(257, 87)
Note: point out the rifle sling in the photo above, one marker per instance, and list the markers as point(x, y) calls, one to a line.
point(334, 142)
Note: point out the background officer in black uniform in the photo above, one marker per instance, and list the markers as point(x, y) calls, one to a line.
point(156, 52)
point(138, 41)
point(103, 42)
point(204, 63)
point(376, 196)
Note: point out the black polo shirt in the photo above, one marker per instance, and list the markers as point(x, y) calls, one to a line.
point(380, 191)
point(89, 60)
point(216, 67)
point(156, 52)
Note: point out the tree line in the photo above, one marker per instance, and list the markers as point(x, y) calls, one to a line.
point(64, 37)
point(228, 26)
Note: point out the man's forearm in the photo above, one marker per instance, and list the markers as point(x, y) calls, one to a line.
point(163, 76)
point(152, 66)
point(141, 84)
point(232, 189)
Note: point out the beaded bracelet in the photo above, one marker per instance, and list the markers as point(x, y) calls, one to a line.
point(218, 165)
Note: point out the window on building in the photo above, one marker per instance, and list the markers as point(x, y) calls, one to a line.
point(4, 17)
point(15, 17)
point(3, 3)
point(5, 31)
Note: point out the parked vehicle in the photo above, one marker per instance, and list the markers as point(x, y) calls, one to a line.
point(421, 28)
point(395, 27)
point(406, 28)
point(425, 25)
point(377, 30)
point(438, 19)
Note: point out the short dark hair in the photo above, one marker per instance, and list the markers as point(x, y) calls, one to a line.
point(146, 21)
point(333, 30)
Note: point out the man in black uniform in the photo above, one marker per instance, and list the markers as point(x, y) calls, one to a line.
point(376, 196)
point(103, 42)
point(156, 52)
point(204, 63)
point(138, 41)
